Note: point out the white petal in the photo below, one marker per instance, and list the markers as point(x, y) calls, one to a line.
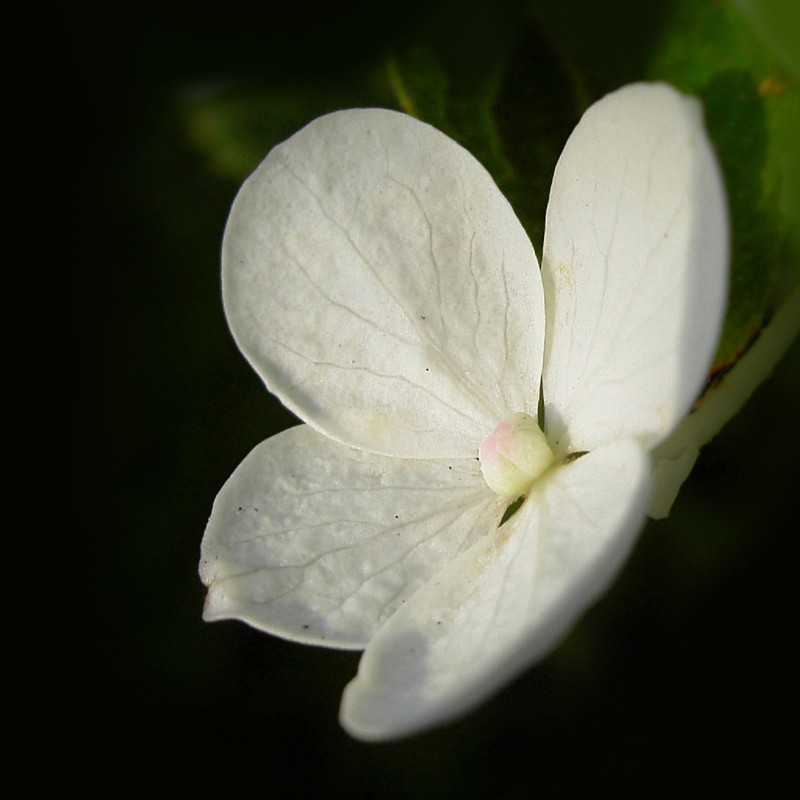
point(383, 288)
point(319, 543)
point(635, 269)
point(494, 610)
point(675, 457)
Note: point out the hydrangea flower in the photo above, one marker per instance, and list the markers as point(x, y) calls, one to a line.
point(382, 287)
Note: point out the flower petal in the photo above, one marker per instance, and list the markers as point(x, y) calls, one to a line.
point(495, 609)
point(383, 288)
point(634, 268)
point(319, 543)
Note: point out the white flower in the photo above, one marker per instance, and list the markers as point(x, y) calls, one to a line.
point(383, 288)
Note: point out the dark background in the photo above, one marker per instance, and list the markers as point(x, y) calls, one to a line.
point(681, 673)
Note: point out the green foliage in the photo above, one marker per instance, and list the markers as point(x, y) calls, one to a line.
point(461, 107)
point(752, 109)
point(236, 124)
point(777, 22)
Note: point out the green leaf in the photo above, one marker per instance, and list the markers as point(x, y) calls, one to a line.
point(457, 104)
point(499, 108)
point(235, 125)
point(752, 107)
point(777, 22)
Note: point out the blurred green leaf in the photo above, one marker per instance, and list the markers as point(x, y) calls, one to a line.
point(235, 125)
point(459, 105)
point(752, 107)
point(500, 109)
point(777, 22)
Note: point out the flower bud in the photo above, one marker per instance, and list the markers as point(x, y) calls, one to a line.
point(514, 455)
